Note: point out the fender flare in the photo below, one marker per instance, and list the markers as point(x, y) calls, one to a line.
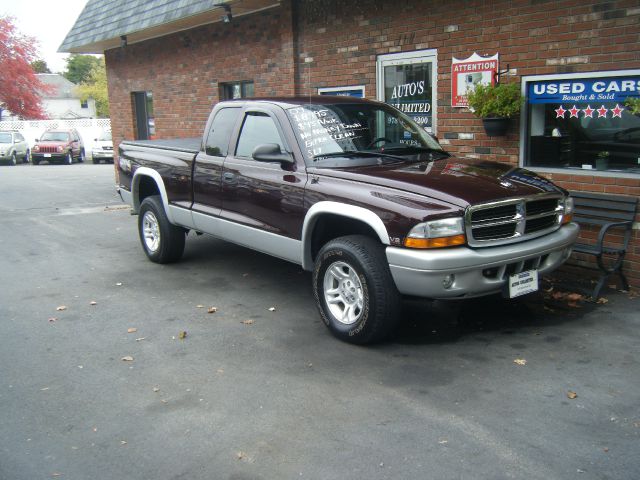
point(135, 185)
point(343, 210)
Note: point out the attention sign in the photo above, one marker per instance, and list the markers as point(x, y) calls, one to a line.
point(468, 72)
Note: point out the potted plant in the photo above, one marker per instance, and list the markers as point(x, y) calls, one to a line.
point(633, 105)
point(495, 105)
point(602, 160)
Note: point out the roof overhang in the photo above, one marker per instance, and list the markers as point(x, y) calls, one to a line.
point(98, 45)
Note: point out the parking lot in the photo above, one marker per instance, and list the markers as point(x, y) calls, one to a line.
point(218, 367)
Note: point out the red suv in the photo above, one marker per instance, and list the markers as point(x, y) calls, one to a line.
point(58, 145)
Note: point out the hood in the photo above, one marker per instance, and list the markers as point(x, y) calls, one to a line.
point(103, 143)
point(52, 143)
point(459, 181)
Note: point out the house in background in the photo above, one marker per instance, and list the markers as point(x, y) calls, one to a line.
point(63, 101)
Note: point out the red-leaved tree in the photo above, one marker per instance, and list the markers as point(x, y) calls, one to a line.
point(20, 88)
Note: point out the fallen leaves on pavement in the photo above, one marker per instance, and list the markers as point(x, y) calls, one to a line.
point(132, 330)
point(127, 358)
point(61, 308)
point(212, 310)
point(572, 395)
point(247, 322)
point(520, 361)
point(182, 335)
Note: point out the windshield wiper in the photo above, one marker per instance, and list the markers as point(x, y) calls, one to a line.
point(357, 153)
point(416, 148)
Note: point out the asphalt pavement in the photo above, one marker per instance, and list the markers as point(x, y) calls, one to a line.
point(218, 367)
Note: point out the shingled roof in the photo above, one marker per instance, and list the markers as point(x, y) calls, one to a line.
point(102, 22)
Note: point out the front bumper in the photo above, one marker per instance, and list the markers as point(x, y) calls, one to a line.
point(49, 156)
point(476, 271)
point(102, 155)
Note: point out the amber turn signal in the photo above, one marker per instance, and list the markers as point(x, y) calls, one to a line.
point(439, 242)
point(566, 218)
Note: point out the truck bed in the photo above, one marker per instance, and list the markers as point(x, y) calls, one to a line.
point(187, 145)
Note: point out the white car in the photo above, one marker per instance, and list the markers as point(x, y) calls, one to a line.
point(103, 148)
point(13, 146)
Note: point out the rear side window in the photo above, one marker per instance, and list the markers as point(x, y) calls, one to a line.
point(221, 129)
point(257, 129)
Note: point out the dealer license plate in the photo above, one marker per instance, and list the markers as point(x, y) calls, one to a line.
point(47, 155)
point(523, 283)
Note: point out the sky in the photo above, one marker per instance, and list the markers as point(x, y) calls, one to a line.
point(48, 21)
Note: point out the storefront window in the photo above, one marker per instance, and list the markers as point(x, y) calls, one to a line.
point(145, 118)
point(234, 90)
point(407, 82)
point(581, 121)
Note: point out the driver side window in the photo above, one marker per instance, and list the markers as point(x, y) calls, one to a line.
point(257, 128)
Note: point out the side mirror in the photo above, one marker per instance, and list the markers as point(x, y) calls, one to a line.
point(95, 139)
point(270, 152)
point(37, 140)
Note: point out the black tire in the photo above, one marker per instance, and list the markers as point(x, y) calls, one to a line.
point(69, 158)
point(96, 161)
point(353, 270)
point(81, 157)
point(164, 242)
point(35, 161)
point(14, 159)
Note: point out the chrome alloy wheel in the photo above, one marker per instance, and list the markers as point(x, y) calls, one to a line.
point(343, 293)
point(151, 231)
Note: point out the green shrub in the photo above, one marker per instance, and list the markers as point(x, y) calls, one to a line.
point(500, 100)
point(633, 105)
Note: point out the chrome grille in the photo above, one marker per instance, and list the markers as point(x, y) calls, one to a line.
point(47, 149)
point(513, 220)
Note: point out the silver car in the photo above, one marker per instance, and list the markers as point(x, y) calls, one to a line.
point(13, 146)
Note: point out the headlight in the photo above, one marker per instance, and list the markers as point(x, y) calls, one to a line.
point(60, 148)
point(36, 148)
point(567, 214)
point(446, 232)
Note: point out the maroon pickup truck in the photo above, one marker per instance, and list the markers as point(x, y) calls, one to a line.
point(355, 192)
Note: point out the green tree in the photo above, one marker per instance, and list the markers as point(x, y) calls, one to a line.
point(96, 87)
point(79, 67)
point(40, 66)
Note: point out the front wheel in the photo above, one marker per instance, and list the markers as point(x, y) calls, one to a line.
point(69, 159)
point(81, 157)
point(162, 241)
point(354, 291)
point(13, 160)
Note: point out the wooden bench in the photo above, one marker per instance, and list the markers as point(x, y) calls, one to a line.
point(606, 212)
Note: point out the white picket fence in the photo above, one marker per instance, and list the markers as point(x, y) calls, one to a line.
point(88, 128)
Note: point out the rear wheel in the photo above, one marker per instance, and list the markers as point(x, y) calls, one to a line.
point(354, 291)
point(162, 241)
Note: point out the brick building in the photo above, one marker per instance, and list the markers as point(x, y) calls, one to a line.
point(577, 63)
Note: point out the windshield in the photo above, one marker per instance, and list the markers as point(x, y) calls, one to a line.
point(5, 138)
point(104, 137)
point(372, 130)
point(55, 137)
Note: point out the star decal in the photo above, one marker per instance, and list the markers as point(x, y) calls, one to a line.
point(574, 112)
point(602, 112)
point(617, 112)
point(560, 112)
point(588, 112)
